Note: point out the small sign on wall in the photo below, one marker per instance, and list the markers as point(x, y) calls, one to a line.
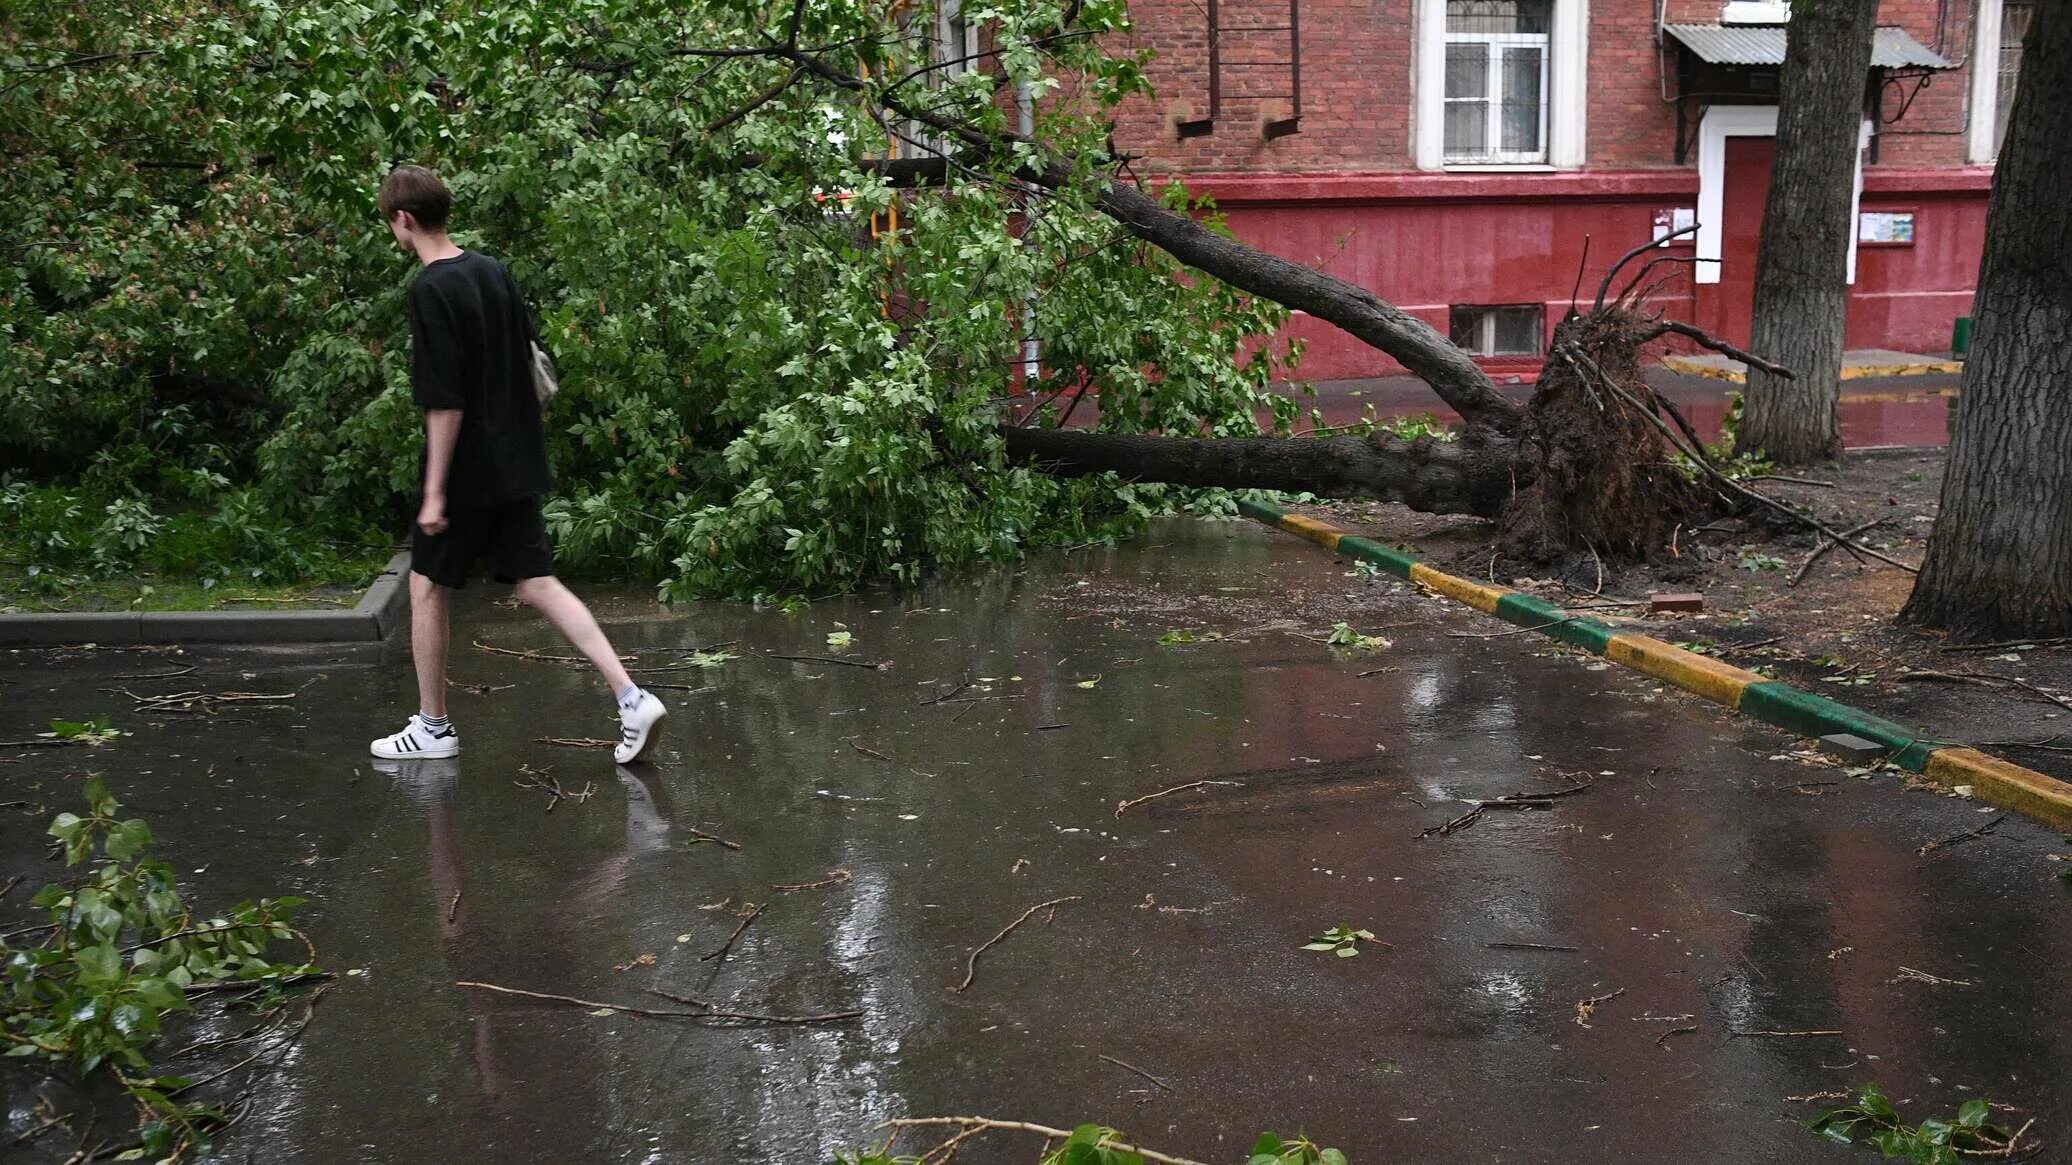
point(1890, 228)
point(1670, 220)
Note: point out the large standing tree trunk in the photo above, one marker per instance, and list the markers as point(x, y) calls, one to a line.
point(1999, 563)
point(1801, 286)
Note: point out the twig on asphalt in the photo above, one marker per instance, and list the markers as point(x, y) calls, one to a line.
point(971, 964)
point(453, 907)
point(714, 1012)
point(1137, 1070)
point(541, 656)
point(1529, 947)
point(161, 675)
point(1588, 1007)
point(572, 1001)
point(946, 695)
point(872, 752)
point(1122, 805)
point(575, 741)
point(1663, 1039)
point(751, 916)
point(834, 878)
point(1780, 1035)
point(872, 664)
point(1519, 801)
point(989, 1124)
point(711, 837)
point(1961, 838)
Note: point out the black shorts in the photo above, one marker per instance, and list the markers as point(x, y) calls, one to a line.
point(511, 537)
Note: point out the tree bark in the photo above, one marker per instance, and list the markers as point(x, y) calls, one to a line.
point(1468, 476)
point(1801, 286)
point(1999, 563)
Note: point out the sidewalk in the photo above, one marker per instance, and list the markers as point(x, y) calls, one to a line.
point(1863, 364)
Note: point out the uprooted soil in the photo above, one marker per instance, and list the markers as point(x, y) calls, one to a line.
point(1833, 633)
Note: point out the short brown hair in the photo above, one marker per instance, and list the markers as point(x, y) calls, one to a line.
point(419, 191)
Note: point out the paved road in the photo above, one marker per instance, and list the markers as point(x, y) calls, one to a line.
point(1703, 882)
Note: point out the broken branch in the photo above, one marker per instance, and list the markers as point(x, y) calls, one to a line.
point(971, 964)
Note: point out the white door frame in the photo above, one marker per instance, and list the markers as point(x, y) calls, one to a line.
point(1748, 121)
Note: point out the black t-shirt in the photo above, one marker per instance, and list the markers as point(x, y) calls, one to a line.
point(470, 332)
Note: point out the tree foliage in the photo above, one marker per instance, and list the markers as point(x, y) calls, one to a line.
point(781, 375)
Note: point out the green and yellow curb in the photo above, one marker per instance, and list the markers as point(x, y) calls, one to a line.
point(1995, 781)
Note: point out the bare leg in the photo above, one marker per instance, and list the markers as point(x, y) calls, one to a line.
point(567, 612)
point(428, 642)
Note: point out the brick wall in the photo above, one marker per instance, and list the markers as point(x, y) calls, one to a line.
point(1357, 89)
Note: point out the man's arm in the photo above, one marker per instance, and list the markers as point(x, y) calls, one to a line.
point(441, 431)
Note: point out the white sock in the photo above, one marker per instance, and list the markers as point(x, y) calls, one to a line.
point(630, 698)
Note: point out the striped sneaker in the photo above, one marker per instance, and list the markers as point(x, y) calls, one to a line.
point(418, 742)
point(637, 727)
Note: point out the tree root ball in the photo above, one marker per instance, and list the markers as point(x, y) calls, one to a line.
point(1602, 477)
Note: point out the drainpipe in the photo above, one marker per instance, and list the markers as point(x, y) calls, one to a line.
point(1025, 107)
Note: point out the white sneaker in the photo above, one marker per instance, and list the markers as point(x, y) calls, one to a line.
point(416, 742)
point(637, 727)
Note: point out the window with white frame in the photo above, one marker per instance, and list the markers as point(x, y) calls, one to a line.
point(951, 44)
point(1496, 80)
point(2014, 25)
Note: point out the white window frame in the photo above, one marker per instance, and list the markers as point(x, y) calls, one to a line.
point(1564, 90)
point(1494, 74)
point(941, 32)
point(1720, 123)
point(1987, 40)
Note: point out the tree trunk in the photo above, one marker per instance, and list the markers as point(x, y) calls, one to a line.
point(1999, 562)
point(1801, 287)
point(1468, 476)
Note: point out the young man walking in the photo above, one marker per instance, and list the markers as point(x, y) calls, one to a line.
point(485, 466)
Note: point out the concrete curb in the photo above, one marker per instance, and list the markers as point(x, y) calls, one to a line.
point(384, 607)
point(1994, 781)
point(1688, 367)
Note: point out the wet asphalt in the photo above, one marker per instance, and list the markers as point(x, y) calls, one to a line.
point(1709, 885)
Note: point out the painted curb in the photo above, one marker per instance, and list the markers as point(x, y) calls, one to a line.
point(1686, 367)
point(382, 608)
point(1995, 781)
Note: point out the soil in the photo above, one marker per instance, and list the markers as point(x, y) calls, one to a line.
point(1834, 632)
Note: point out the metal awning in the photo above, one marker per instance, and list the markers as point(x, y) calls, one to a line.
point(1720, 44)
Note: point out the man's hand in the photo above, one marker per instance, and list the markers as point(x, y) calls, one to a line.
point(431, 516)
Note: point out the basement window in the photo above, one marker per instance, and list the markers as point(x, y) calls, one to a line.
point(1503, 330)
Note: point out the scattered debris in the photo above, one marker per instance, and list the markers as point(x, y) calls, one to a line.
point(871, 664)
point(971, 964)
point(1985, 830)
point(1910, 975)
point(1588, 1007)
point(699, 837)
point(712, 1011)
point(1520, 801)
point(1122, 805)
point(644, 960)
point(834, 878)
point(542, 780)
point(1780, 1035)
point(1529, 947)
point(1662, 1041)
point(1342, 940)
point(1139, 1071)
point(575, 741)
point(1662, 601)
point(750, 911)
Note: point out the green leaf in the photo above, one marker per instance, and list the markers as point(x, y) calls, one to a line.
point(1347, 952)
point(1331, 1157)
point(1972, 1113)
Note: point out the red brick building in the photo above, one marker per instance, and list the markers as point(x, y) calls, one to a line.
point(1452, 155)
